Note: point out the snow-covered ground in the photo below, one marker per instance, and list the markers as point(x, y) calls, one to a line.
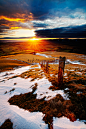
point(47, 56)
point(67, 60)
point(75, 62)
point(23, 119)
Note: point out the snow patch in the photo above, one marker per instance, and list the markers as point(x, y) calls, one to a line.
point(21, 118)
point(75, 62)
point(43, 55)
point(64, 123)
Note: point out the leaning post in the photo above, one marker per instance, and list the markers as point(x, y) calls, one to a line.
point(47, 67)
point(42, 64)
point(61, 69)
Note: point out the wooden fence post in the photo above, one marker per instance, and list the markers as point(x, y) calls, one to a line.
point(47, 67)
point(42, 64)
point(50, 125)
point(61, 70)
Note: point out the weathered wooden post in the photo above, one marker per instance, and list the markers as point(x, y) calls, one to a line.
point(50, 125)
point(48, 118)
point(61, 70)
point(42, 64)
point(39, 63)
point(47, 67)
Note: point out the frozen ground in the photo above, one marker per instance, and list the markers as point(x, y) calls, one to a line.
point(75, 62)
point(47, 56)
point(21, 118)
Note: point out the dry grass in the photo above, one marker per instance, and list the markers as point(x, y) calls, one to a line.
point(53, 69)
point(30, 58)
point(75, 108)
point(7, 64)
point(33, 74)
point(72, 56)
point(56, 107)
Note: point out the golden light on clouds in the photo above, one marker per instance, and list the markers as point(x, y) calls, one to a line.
point(24, 33)
point(20, 26)
point(12, 28)
point(17, 33)
point(12, 19)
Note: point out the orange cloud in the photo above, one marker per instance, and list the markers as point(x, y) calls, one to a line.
point(12, 19)
point(12, 28)
point(18, 22)
point(18, 17)
point(26, 16)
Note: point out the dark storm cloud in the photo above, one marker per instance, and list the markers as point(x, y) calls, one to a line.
point(3, 29)
point(3, 26)
point(64, 32)
point(12, 7)
point(5, 22)
point(39, 8)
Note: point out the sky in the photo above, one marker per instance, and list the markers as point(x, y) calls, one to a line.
point(42, 18)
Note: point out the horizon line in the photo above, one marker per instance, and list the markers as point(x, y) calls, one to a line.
point(35, 38)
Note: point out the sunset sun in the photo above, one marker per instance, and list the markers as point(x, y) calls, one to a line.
point(34, 39)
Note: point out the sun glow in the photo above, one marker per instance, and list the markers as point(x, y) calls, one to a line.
point(34, 44)
point(34, 39)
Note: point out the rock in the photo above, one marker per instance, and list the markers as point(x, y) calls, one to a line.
point(15, 83)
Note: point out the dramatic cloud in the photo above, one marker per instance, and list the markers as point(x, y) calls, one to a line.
point(34, 15)
point(63, 32)
point(61, 22)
